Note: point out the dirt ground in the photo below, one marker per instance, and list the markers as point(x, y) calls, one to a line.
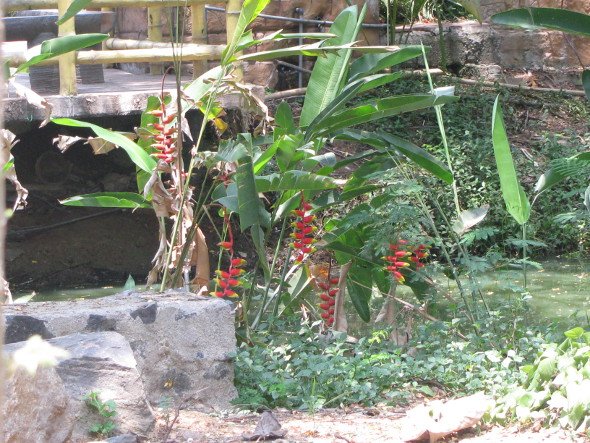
point(350, 425)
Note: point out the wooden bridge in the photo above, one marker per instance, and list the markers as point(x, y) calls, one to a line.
point(122, 92)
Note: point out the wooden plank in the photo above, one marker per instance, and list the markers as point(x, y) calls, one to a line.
point(155, 35)
point(199, 36)
point(67, 62)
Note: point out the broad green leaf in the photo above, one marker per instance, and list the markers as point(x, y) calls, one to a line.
point(574, 333)
point(108, 200)
point(551, 18)
point(348, 93)
point(199, 87)
point(329, 73)
point(136, 153)
point(384, 141)
point(73, 9)
point(249, 12)
point(516, 200)
point(359, 283)
point(586, 82)
point(469, 218)
point(284, 121)
point(312, 50)
point(258, 239)
point(61, 45)
point(251, 210)
point(562, 169)
point(296, 180)
point(380, 108)
point(248, 40)
point(369, 64)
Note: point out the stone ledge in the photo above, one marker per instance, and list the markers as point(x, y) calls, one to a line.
point(183, 345)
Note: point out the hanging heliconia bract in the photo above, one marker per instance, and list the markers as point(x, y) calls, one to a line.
point(402, 256)
point(228, 280)
point(328, 299)
point(303, 230)
point(165, 137)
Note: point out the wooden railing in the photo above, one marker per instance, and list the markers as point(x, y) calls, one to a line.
point(153, 50)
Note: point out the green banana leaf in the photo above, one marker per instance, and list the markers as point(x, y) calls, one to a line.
point(359, 283)
point(250, 10)
point(251, 210)
point(129, 200)
point(369, 64)
point(296, 180)
point(514, 196)
point(550, 18)
point(136, 153)
point(380, 108)
point(73, 9)
point(58, 46)
point(329, 73)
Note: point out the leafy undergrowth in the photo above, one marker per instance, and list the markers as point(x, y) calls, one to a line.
point(557, 386)
point(305, 370)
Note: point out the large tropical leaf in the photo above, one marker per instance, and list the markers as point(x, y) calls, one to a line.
point(562, 169)
point(384, 142)
point(349, 92)
point(61, 45)
point(369, 64)
point(73, 9)
point(296, 180)
point(136, 153)
point(129, 200)
point(249, 12)
point(313, 50)
point(380, 108)
point(359, 283)
point(551, 18)
point(514, 196)
point(251, 210)
point(329, 73)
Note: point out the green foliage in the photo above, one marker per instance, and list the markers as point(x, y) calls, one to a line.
point(305, 370)
point(514, 196)
point(105, 410)
point(557, 386)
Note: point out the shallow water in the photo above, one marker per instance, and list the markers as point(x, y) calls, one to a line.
point(558, 291)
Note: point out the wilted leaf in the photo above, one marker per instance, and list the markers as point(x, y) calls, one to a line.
point(7, 141)
point(469, 218)
point(33, 99)
point(65, 142)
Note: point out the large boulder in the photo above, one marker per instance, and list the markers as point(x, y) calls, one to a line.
point(37, 408)
point(100, 362)
point(183, 344)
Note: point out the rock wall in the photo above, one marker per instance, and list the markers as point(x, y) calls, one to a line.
point(183, 344)
point(491, 7)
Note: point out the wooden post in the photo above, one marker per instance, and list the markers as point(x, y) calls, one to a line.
point(67, 62)
point(199, 35)
point(232, 13)
point(155, 35)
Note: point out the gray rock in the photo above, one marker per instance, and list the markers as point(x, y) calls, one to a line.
point(37, 408)
point(183, 344)
point(101, 362)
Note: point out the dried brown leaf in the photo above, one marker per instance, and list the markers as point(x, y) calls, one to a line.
point(65, 142)
point(7, 141)
point(33, 99)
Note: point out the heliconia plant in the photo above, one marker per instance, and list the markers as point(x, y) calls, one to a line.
point(302, 185)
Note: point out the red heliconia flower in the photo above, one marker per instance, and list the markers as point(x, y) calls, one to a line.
point(302, 230)
point(229, 280)
point(165, 137)
point(404, 257)
point(328, 298)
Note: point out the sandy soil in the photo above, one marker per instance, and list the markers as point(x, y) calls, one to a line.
point(351, 425)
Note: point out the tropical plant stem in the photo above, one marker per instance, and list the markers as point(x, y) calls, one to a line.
point(524, 256)
point(279, 290)
point(272, 269)
point(447, 256)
